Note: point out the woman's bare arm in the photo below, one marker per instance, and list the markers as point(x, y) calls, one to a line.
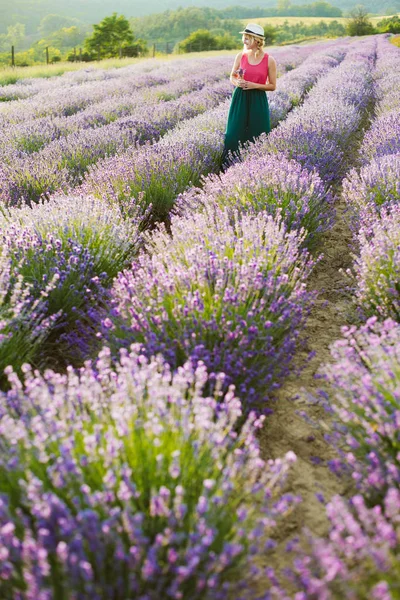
point(233, 77)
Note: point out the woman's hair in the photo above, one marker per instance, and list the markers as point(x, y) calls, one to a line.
point(260, 41)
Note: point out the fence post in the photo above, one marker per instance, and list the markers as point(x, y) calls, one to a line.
point(120, 51)
point(167, 48)
point(80, 54)
point(12, 56)
point(47, 55)
point(154, 50)
point(98, 52)
point(74, 55)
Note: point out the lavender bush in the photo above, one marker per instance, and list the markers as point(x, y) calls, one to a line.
point(24, 324)
point(272, 184)
point(375, 270)
point(360, 559)
point(83, 244)
point(226, 290)
point(376, 185)
point(131, 483)
point(383, 137)
point(364, 382)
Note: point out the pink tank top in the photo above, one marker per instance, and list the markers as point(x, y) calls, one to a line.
point(255, 73)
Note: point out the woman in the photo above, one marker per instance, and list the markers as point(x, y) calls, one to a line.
point(253, 74)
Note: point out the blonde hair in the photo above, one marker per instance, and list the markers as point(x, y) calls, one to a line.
point(260, 41)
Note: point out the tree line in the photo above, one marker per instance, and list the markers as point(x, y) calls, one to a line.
point(184, 30)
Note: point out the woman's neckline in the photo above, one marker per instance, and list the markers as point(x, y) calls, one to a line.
point(252, 64)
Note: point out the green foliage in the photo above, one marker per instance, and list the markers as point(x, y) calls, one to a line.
point(270, 34)
point(202, 39)
point(109, 36)
point(67, 37)
point(284, 9)
point(286, 32)
point(359, 23)
point(283, 5)
point(173, 26)
point(51, 23)
point(14, 36)
point(390, 25)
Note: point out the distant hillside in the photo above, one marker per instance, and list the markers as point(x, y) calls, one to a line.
point(30, 12)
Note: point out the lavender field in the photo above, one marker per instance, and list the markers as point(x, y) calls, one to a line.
point(200, 370)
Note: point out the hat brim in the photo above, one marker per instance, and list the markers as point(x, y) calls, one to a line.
point(252, 33)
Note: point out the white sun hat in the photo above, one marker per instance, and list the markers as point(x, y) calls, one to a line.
point(254, 29)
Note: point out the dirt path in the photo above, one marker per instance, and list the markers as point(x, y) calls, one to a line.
point(285, 430)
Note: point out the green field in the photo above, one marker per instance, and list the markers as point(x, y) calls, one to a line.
point(13, 74)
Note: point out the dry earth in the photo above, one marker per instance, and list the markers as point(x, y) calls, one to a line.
point(285, 429)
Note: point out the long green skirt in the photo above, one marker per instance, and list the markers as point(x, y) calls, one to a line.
point(247, 119)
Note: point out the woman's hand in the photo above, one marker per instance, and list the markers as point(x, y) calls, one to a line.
point(247, 85)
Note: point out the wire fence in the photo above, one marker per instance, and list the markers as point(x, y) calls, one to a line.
point(153, 48)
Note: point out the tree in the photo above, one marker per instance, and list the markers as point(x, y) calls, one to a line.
point(269, 34)
point(283, 5)
point(110, 36)
point(359, 23)
point(389, 25)
point(51, 23)
point(15, 34)
point(67, 37)
point(199, 40)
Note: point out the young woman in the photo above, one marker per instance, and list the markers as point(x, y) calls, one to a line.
point(253, 74)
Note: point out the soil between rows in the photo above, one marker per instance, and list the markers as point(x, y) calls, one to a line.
point(285, 429)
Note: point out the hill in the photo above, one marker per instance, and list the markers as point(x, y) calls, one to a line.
point(30, 12)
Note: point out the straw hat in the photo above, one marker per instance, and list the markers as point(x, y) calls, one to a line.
point(254, 29)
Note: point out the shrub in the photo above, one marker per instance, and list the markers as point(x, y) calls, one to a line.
point(363, 393)
point(359, 560)
point(84, 243)
point(154, 175)
point(131, 484)
point(375, 186)
point(198, 41)
point(383, 137)
point(23, 323)
point(359, 23)
point(376, 270)
point(226, 290)
point(272, 184)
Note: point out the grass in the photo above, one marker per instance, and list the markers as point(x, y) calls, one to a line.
point(12, 74)
point(9, 75)
point(396, 41)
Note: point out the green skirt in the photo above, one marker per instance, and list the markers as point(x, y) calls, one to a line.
point(247, 119)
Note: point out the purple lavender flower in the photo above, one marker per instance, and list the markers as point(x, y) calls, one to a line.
point(92, 507)
point(226, 290)
point(273, 184)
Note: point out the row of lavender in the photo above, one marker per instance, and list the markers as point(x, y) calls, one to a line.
point(127, 478)
point(42, 152)
point(361, 557)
